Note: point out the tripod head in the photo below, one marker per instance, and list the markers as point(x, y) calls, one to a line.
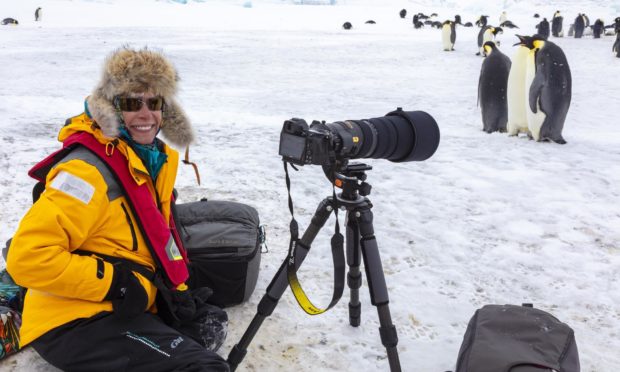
point(350, 177)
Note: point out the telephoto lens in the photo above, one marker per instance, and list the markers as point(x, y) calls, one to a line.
point(399, 136)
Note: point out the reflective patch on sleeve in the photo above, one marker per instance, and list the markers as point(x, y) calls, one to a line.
point(73, 186)
point(172, 250)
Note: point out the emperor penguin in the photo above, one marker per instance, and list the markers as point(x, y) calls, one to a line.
point(517, 114)
point(503, 17)
point(482, 21)
point(38, 13)
point(598, 29)
point(556, 24)
point(487, 33)
point(550, 90)
point(448, 35)
point(616, 46)
point(543, 28)
point(580, 26)
point(492, 89)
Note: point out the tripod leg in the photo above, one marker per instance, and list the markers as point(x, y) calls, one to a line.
point(378, 288)
point(354, 277)
point(279, 283)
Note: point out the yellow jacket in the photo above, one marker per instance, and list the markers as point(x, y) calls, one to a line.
point(64, 286)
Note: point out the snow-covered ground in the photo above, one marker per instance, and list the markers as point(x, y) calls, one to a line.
point(488, 219)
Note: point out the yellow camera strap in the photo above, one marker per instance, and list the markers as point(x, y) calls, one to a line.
point(337, 248)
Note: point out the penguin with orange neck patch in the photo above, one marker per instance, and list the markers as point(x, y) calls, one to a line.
point(550, 90)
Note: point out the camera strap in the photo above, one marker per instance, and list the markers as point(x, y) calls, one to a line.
point(337, 241)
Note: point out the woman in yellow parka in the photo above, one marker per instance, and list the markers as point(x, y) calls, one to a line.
point(85, 309)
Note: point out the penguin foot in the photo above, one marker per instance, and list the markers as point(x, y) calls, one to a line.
point(478, 53)
point(559, 141)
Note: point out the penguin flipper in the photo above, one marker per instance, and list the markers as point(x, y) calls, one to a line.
point(535, 91)
point(479, 89)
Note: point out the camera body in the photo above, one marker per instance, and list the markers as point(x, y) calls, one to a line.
point(300, 144)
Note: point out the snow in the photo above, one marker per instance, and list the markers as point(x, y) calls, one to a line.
point(489, 219)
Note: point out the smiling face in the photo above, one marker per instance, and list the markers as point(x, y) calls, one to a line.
point(143, 124)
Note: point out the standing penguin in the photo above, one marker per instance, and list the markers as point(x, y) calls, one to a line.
point(580, 26)
point(482, 21)
point(598, 29)
point(549, 92)
point(556, 25)
point(517, 101)
point(616, 46)
point(503, 17)
point(448, 35)
point(543, 28)
point(487, 33)
point(403, 13)
point(492, 89)
point(416, 22)
point(38, 14)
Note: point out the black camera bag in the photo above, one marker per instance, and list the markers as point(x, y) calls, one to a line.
point(223, 241)
point(510, 338)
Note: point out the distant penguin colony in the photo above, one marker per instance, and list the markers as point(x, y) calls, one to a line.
point(347, 25)
point(448, 35)
point(492, 89)
point(531, 93)
point(403, 13)
point(549, 89)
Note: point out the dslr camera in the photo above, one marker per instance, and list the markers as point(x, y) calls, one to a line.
point(399, 136)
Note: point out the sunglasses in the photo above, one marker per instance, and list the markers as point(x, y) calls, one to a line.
point(131, 104)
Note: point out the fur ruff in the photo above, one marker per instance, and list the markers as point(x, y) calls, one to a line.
point(135, 71)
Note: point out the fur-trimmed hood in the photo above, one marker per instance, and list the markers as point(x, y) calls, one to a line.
point(135, 71)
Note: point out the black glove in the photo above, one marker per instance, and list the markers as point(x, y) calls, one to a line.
point(183, 305)
point(209, 324)
point(129, 299)
point(187, 303)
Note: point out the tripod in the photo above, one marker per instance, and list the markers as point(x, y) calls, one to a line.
point(360, 243)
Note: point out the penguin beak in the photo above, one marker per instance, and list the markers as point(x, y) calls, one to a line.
point(521, 40)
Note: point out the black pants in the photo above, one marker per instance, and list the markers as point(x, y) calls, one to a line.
point(106, 343)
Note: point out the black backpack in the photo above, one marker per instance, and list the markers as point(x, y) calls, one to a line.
point(510, 338)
